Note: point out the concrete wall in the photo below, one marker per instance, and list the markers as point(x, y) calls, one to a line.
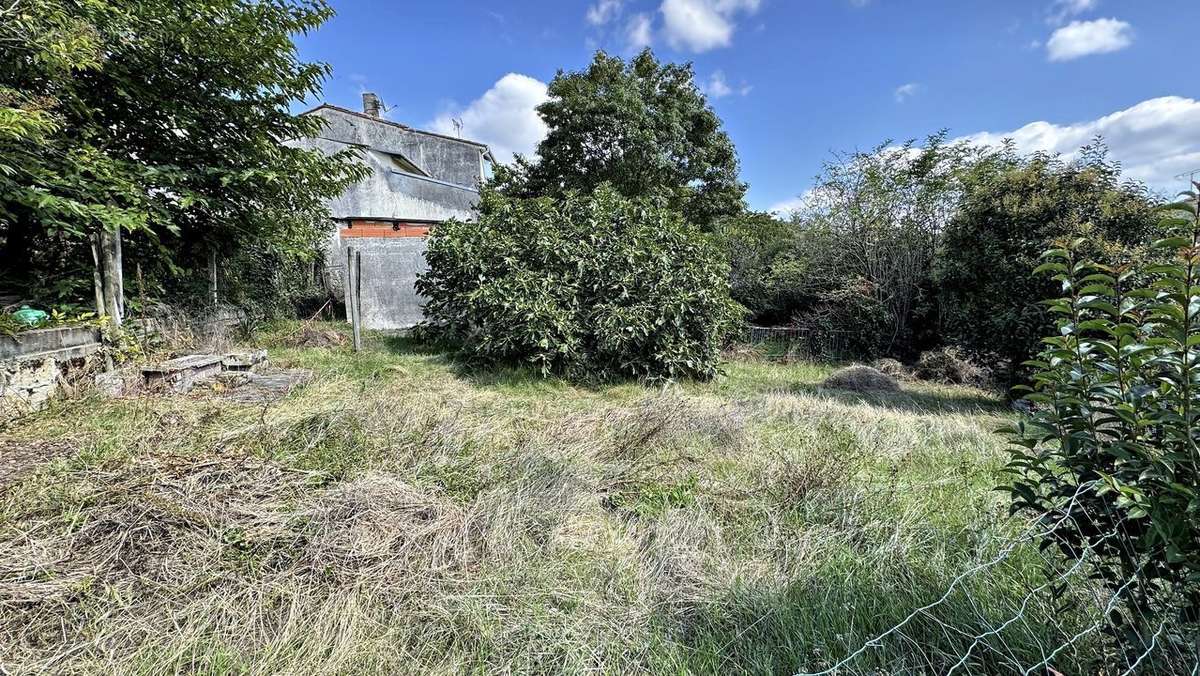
point(391, 264)
point(445, 159)
point(389, 270)
point(389, 193)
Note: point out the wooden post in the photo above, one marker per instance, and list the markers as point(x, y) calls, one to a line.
point(358, 301)
point(110, 259)
point(212, 275)
point(348, 287)
point(97, 274)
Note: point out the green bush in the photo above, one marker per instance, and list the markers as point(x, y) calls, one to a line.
point(1108, 457)
point(1012, 209)
point(852, 317)
point(587, 286)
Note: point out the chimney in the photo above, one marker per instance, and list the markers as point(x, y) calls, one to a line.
point(371, 104)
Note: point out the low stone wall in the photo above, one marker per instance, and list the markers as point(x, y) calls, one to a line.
point(26, 385)
point(32, 362)
point(64, 342)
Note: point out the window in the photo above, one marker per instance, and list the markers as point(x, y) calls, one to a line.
point(401, 163)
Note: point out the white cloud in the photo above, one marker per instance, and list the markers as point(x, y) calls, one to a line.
point(505, 117)
point(703, 25)
point(1081, 38)
point(906, 91)
point(604, 11)
point(1061, 10)
point(1154, 140)
point(716, 86)
point(801, 202)
point(638, 32)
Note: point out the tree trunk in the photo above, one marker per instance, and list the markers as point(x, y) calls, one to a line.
point(110, 260)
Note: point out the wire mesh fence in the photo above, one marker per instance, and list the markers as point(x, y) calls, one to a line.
point(1094, 627)
point(787, 343)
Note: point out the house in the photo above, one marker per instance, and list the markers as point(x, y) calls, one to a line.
point(418, 179)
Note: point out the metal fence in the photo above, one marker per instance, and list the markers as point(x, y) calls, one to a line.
point(788, 343)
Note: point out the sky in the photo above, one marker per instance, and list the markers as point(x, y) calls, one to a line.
point(797, 80)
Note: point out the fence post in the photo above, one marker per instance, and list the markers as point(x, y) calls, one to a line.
point(357, 301)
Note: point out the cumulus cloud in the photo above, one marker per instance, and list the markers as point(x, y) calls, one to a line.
point(1061, 10)
point(906, 91)
point(604, 11)
point(703, 25)
point(716, 86)
point(1082, 38)
point(638, 32)
point(1154, 140)
point(505, 117)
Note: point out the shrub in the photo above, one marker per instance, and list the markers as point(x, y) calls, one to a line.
point(950, 366)
point(1107, 459)
point(852, 317)
point(1012, 209)
point(593, 285)
point(860, 378)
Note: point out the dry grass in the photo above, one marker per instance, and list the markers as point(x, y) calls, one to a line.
point(395, 516)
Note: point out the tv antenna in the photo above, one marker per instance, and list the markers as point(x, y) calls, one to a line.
point(1189, 176)
point(458, 126)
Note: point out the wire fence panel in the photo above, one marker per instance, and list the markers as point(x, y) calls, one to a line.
point(788, 343)
point(999, 643)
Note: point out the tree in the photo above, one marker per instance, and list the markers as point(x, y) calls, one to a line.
point(763, 278)
point(166, 122)
point(872, 225)
point(1013, 207)
point(642, 127)
point(588, 286)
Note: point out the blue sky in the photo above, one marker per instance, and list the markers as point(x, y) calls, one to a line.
point(794, 80)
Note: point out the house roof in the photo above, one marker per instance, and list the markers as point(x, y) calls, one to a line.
point(487, 151)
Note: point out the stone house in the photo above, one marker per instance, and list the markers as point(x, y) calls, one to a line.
point(418, 179)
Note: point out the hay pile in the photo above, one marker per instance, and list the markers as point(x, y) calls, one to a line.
point(892, 367)
point(859, 378)
point(312, 335)
point(950, 366)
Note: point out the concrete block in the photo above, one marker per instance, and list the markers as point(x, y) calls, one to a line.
point(118, 383)
point(244, 361)
point(182, 373)
point(67, 341)
point(26, 386)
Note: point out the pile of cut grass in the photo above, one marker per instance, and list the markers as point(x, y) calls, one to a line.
point(397, 515)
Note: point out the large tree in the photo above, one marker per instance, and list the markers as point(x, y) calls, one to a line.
point(1013, 208)
point(871, 226)
point(640, 126)
point(165, 120)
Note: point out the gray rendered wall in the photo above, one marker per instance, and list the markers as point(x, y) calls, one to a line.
point(389, 268)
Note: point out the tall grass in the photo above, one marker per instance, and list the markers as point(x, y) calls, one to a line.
point(399, 516)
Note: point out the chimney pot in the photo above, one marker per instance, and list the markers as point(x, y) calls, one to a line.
point(371, 105)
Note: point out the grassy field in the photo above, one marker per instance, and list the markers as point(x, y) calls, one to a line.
point(399, 515)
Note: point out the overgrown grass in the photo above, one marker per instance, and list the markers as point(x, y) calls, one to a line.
point(400, 515)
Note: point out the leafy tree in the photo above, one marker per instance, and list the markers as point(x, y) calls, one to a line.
point(1108, 459)
point(166, 120)
point(1012, 208)
point(766, 276)
point(643, 128)
point(872, 224)
point(590, 286)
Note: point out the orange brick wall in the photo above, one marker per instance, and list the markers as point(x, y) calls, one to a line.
point(384, 229)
